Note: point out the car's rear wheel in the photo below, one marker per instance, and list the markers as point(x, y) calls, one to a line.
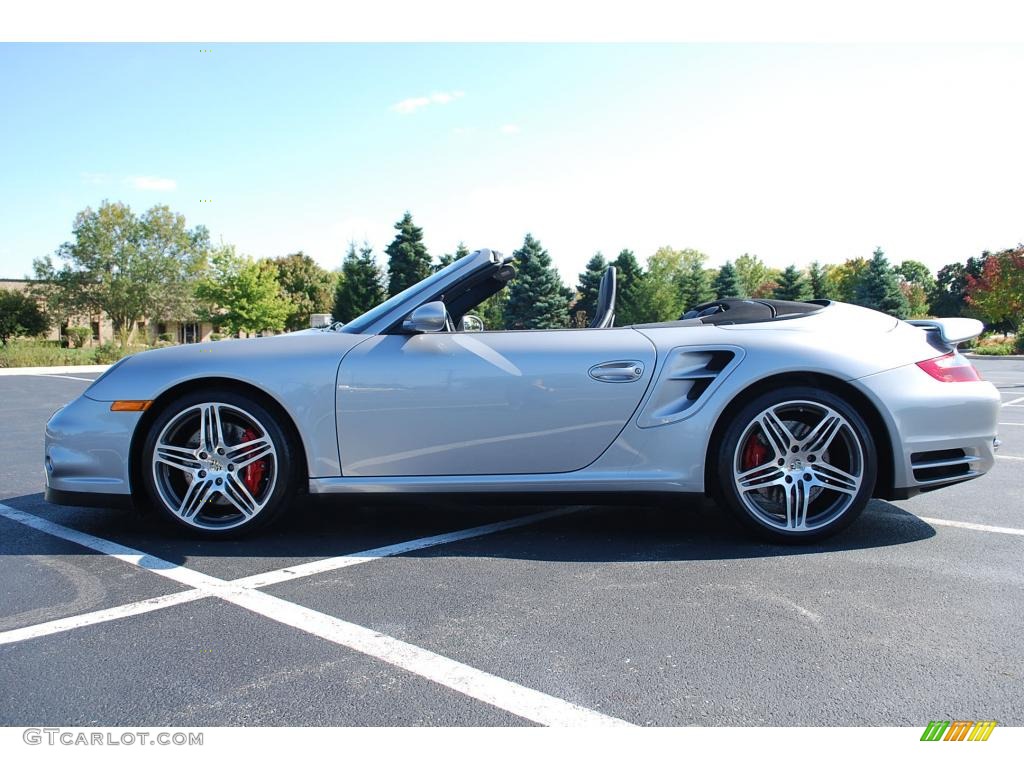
point(218, 463)
point(796, 464)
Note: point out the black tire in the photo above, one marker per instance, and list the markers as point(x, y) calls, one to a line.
point(239, 484)
point(829, 482)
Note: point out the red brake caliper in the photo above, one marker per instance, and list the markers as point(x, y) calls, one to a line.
point(755, 453)
point(252, 475)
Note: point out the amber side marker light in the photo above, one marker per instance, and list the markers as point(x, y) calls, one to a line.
point(130, 405)
point(952, 367)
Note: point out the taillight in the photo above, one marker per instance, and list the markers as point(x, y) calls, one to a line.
point(951, 367)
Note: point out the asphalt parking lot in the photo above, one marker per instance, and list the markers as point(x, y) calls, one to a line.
point(430, 614)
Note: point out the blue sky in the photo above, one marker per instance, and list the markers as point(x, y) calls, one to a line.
point(791, 152)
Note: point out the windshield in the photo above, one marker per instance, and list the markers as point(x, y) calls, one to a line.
point(371, 316)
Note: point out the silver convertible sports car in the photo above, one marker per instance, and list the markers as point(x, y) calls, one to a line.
point(790, 415)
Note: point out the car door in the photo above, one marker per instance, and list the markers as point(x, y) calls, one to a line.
point(488, 403)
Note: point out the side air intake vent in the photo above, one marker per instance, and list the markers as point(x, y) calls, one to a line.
point(687, 377)
point(941, 466)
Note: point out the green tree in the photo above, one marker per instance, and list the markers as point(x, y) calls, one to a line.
point(916, 283)
point(949, 295)
point(817, 278)
point(755, 277)
point(792, 286)
point(845, 278)
point(448, 258)
point(126, 266)
point(589, 286)
point(307, 286)
point(997, 295)
point(241, 294)
point(727, 283)
point(536, 296)
point(629, 277)
point(879, 288)
point(360, 285)
point(659, 289)
point(694, 282)
point(20, 315)
point(408, 260)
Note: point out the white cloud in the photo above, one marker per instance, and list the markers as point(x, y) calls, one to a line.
point(510, 128)
point(152, 183)
point(408, 106)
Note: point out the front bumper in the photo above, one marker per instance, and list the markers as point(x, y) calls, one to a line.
point(86, 453)
point(942, 432)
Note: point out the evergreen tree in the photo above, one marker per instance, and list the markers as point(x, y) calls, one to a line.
point(360, 284)
point(536, 297)
point(408, 260)
point(694, 284)
point(447, 258)
point(589, 286)
point(792, 286)
point(878, 288)
point(628, 298)
point(818, 279)
point(727, 284)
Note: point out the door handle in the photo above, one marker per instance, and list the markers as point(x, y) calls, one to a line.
point(617, 371)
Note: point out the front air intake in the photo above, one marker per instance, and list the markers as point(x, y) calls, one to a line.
point(941, 466)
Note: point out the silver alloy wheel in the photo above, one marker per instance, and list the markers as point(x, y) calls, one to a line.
point(798, 466)
point(214, 466)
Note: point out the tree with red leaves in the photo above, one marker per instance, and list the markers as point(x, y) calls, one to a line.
point(997, 295)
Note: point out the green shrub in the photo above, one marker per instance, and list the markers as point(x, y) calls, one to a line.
point(1018, 345)
point(1004, 348)
point(79, 335)
point(108, 353)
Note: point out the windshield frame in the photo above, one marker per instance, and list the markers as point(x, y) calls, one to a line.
point(387, 312)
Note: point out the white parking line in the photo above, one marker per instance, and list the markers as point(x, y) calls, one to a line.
point(973, 526)
point(1011, 423)
point(60, 376)
point(504, 694)
point(1011, 458)
point(98, 617)
point(344, 561)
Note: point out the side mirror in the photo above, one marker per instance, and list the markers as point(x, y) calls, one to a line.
point(471, 323)
point(430, 318)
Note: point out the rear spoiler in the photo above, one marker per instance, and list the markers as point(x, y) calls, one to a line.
point(952, 330)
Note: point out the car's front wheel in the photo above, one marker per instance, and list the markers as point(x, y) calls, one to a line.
point(218, 463)
point(796, 464)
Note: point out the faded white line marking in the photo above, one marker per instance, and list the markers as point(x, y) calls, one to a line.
point(974, 526)
point(98, 617)
point(528, 703)
point(1011, 423)
point(1014, 402)
point(60, 376)
point(1012, 458)
point(345, 561)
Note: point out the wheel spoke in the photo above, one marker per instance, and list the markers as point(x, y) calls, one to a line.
point(835, 479)
point(211, 430)
point(797, 500)
point(759, 477)
point(777, 433)
point(244, 454)
point(824, 433)
point(196, 495)
point(236, 492)
point(176, 457)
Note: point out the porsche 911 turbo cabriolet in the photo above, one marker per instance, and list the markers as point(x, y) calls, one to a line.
point(791, 415)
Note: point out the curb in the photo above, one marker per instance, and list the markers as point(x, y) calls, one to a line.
point(51, 369)
point(972, 356)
